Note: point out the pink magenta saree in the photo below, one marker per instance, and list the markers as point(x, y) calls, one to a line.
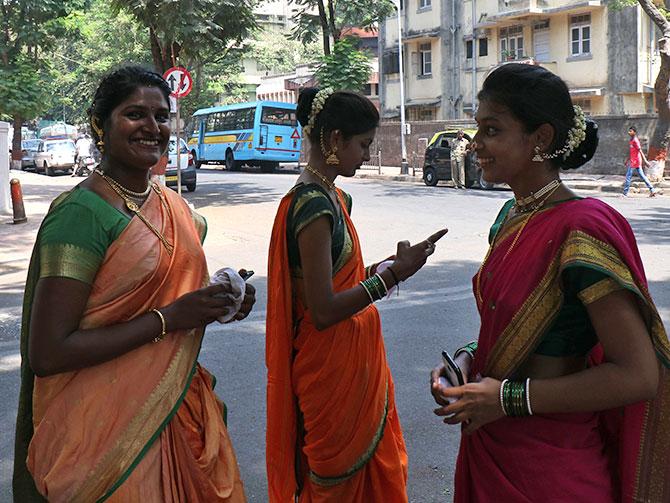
point(616, 455)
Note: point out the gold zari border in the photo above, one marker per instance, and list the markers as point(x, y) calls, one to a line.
point(598, 290)
point(68, 261)
point(365, 457)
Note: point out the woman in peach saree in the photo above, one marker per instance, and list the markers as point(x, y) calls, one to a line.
point(114, 405)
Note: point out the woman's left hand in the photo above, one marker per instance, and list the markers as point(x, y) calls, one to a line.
point(478, 403)
point(248, 302)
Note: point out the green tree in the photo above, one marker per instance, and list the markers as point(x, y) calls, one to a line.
point(187, 31)
point(346, 68)
point(97, 41)
point(659, 14)
point(326, 18)
point(29, 28)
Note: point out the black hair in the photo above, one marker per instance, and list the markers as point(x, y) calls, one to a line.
point(535, 96)
point(349, 112)
point(115, 87)
point(632, 128)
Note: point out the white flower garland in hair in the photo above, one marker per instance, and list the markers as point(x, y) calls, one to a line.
point(576, 136)
point(317, 105)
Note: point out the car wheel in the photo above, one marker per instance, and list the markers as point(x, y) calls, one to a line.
point(430, 176)
point(190, 187)
point(48, 170)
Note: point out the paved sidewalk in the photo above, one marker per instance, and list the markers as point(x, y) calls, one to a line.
point(597, 183)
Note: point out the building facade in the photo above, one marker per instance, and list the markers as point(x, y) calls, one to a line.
point(607, 57)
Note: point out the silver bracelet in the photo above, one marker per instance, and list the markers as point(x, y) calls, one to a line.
point(530, 411)
point(502, 403)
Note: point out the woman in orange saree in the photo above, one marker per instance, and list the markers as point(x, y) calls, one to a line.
point(333, 432)
point(567, 391)
point(113, 405)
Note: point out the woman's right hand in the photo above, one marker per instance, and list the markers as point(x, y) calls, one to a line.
point(409, 259)
point(198, 308)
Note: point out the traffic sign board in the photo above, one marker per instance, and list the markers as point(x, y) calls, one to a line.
point(295, 135)
point(179, 80)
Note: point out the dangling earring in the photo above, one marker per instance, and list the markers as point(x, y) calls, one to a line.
point(331, 157)
point(538, 154)
point(100, 133)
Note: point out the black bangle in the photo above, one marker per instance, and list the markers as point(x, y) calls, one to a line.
point(395, 278)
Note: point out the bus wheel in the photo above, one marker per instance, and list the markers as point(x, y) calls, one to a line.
point(231, 163)
point(196, 161)
point(268, 166)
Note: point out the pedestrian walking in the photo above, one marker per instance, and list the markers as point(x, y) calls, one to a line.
point(333, 432)
point(459, 148)
point(113, 403)
point(565, 394)
point(634, 165)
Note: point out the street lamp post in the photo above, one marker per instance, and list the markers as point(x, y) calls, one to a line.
point(404, 168)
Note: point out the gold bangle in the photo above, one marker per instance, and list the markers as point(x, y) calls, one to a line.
point(159, 338)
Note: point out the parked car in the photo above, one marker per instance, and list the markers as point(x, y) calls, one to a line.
point(186, 165)
point(28, 151)
point(55, 155)
point(437, 161)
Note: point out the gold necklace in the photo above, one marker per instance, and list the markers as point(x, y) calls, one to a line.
point(320, 176)
point(128, 192)
point(134, 207)
point(527, 203)
point(536, 208)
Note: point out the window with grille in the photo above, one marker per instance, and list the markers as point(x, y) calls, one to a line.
point(423, 4)
point(483, 47)
point(580, 35)
point(469, 49)
point(511, 43)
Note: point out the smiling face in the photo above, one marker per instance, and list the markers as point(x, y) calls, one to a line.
point(503, 147)
point(354, 151)
point(137, 131)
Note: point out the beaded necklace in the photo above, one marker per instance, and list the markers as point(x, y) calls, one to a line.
point(528, 203)
point(535, 209)
point(320, 176)
point(132, 206)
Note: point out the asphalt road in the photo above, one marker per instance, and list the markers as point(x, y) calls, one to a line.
point(434, 310)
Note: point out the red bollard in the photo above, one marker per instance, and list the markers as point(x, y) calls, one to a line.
point(17, 202)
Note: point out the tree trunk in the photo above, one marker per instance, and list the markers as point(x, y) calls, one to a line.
point(658, 145)
point(16, 142)
point(156, 51)
point(331, 19)
point(325, 29)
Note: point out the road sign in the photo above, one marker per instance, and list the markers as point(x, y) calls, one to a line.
point(295, 135)
point(179, 80)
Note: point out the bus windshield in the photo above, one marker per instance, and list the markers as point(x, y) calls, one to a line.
point(279, 116)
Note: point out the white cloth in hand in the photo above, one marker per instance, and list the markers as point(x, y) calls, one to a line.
point(236, 287)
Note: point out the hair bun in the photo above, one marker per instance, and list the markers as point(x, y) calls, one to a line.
point(584, 152)
point(305, 100)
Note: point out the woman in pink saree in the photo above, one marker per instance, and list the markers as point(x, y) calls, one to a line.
point(567, 394)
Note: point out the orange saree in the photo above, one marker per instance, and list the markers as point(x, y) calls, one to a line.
point(145, 426)
point(333, 432)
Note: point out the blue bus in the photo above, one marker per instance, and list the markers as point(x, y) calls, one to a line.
point(259, 133)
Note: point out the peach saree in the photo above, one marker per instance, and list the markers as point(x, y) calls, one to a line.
point(145, 426)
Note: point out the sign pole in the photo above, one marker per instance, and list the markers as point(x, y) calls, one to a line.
point(178, 147)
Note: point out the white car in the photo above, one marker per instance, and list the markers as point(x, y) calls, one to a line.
point(186, 165)
point(55, 155)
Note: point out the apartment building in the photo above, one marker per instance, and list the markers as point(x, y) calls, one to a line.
point(607, 57)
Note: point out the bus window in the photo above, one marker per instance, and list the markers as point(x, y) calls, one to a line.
point(279, 116)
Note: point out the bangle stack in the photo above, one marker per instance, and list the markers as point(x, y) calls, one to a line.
point(375, 287)
point(515, 398)
point(160, 337)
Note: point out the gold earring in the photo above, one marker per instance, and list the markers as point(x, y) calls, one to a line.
point(538, 154)
point(331, 156)
point(100, 133)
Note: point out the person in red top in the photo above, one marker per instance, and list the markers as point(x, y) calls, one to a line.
point(634, 164)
